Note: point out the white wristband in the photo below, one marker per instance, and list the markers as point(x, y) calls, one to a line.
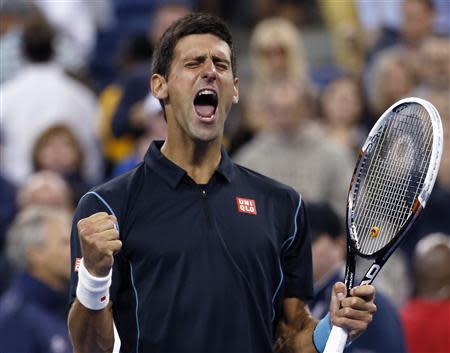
point(93, 292)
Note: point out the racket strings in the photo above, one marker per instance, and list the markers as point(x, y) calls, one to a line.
point(394, 214)
point(392, 177)
point(385, 197)
point(371, 188)
point(399, 185)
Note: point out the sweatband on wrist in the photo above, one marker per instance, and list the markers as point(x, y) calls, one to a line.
point(92, 291)
point(321, 333)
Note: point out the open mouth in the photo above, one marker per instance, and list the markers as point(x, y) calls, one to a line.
point(205, 103)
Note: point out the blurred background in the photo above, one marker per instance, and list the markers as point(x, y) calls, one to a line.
point(75, 111)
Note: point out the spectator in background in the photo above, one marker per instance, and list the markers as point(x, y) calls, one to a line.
point(8, 210)
point(135, 53)
point(295, 151)
point(76, 24)
point(136, 84)
point(394, 61)
point(7, 206)
point(40, 96)
point(276, 53)
point(390, 78)
point(377, 17)
point(13, 14)
point(131, 18)
point(349, 40)
point(45, 189)
point(434, 65)
point(341, 111)
point(426, 315)
point(442, 19)
point(57, 149)
point(33, 309)
point(117, 129)
point(7, 213)
point(416, 24)
point(167, 13)
point(385, 333)
point(7, 203)
point(150, 115)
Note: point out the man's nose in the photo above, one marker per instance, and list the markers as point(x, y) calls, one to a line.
point(209, 72)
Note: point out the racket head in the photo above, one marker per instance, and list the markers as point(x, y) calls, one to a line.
point(394, 176)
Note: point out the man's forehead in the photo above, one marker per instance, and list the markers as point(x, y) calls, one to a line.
point(201, 44)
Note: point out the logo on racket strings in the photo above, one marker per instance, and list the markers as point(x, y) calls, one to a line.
point(374, 231)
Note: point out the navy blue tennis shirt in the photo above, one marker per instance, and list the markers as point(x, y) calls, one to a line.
point(203, 268)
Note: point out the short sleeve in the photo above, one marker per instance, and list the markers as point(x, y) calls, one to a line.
point(89, 204)
point(296, 261)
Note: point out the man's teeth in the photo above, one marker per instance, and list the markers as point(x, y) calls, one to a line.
point(206, 91)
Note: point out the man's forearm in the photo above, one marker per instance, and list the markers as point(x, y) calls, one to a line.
point(295, 330)
point(91, 331)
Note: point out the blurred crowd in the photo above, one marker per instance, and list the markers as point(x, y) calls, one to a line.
point(75, 111)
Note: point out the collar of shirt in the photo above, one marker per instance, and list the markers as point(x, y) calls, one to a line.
point(173, 174)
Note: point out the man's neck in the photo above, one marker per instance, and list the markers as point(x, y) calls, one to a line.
point(198, 159)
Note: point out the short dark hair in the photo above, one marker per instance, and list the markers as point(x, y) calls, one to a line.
point(37, 41)
point(194, 23)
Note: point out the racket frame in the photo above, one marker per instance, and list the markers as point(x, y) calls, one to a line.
point(338, 336)
point(428, 183)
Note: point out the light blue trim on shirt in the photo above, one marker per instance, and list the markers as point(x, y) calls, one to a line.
point(291, 239)
point(278, 288)
point(105, 203)
point(137, 308)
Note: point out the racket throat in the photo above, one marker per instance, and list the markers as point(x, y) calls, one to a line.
point(349, 278)
point(370, 274)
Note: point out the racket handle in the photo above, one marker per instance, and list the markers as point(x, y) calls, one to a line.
point(336, 341)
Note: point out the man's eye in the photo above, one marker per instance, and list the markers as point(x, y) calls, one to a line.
point(192, 63)
point(222, 66)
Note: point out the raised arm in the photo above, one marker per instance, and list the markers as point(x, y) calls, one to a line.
point(91, 331)
point(90, 318)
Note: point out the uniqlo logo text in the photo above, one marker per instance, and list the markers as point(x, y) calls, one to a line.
point(246, 205)
point(77, 264)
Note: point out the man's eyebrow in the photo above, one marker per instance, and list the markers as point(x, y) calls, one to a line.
point(203, 57)
point(194, 57)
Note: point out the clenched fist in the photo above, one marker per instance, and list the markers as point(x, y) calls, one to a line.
point(99, 241)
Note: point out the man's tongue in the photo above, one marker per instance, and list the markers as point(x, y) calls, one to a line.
point(205, 111)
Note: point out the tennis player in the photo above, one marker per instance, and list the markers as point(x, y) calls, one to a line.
point(190, 252)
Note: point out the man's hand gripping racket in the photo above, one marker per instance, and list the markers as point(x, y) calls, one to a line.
point(391, 184)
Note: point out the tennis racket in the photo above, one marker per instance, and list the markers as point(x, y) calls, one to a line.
point(391, 183)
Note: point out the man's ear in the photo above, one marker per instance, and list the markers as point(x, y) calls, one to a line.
point(159, 87)
point(236, 91)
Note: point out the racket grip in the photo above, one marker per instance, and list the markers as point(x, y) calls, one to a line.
point(336, 341)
